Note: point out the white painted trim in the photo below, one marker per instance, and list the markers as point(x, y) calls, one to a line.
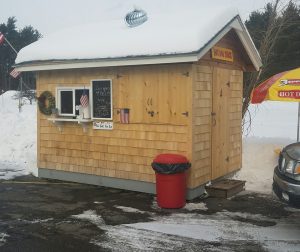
point(235, 24)
point(245, 38)
point(250, 51)
point(213, 42)
point(111, 101)
point(66, 88)
point(60, 119)
point(164, 59)
point(248, 43)
point(58, 103)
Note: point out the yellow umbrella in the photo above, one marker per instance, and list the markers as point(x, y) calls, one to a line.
point(283, 86)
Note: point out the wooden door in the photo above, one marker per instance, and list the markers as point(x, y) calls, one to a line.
point(220, 122)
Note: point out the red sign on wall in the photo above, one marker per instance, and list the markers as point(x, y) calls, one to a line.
point(221, 53)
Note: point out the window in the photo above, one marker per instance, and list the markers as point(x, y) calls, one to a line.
point(68, 100)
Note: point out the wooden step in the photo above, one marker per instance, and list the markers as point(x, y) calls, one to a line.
point(225, 188)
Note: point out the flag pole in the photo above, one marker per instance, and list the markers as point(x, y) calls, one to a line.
point(20, 95)
point(10, 45)
point(298, 126)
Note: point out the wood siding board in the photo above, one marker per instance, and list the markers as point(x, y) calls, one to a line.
point(128, 150)
point(202, 102)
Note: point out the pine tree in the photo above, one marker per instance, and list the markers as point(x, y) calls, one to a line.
point(19, 39)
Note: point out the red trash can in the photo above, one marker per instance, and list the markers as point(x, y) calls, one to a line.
point(170, 180)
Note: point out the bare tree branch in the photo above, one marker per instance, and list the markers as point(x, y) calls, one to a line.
point(277, 22)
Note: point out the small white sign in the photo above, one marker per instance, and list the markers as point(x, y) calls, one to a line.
point(103, 125)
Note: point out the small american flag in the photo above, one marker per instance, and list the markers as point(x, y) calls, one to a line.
point(124, 115)
point(14, 73)
point(84, 99)
point(2, 38)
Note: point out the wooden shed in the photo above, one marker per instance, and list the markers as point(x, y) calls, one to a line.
point(180, 92)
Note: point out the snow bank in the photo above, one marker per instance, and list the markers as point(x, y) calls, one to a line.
point(18, 137)
point(273, 126)
point(273, 119)
point(259, 160)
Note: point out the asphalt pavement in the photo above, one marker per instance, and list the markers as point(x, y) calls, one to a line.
point(47, 215)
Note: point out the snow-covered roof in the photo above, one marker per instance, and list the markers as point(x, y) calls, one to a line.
point(181, 35)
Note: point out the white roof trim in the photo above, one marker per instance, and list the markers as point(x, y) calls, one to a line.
point(236, 24)
point(245, 38)
point(69, 64)
point(213, 42)
point(248, 44)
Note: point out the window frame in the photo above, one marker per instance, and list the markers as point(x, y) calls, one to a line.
point(111, 100)
point(73, 89)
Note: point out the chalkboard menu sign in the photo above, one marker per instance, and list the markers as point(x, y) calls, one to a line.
point(102, 99)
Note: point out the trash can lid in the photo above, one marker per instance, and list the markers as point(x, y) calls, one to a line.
point(170, 159)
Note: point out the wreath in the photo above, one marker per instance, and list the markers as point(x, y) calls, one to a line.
point(46, 108)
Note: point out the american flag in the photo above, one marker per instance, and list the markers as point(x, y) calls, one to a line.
point(84, 99)
point(14, 73)
point(2, 38)
point(124, 115)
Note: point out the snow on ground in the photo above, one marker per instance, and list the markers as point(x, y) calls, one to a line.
point(18, 137)
point(273, 126)
point(3, 237)
point(91, 216)
point(222, 227)
point(259, 160)
point(129, 209)
point(212, 228)
point(180, 228)
point(11, 169)
point(273, 119)
point(195, 206)
point(36, 220)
